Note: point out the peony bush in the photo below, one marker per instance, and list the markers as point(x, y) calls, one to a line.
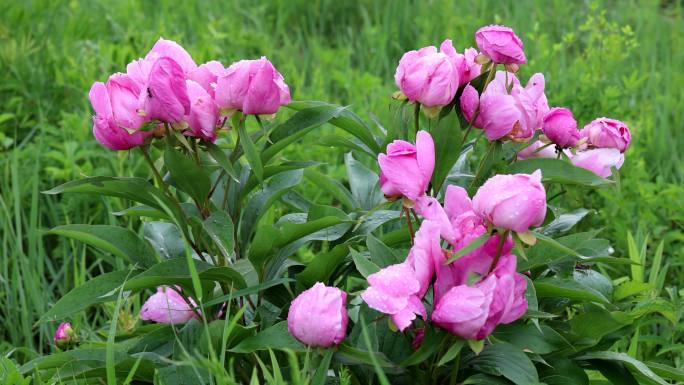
point(447, 256)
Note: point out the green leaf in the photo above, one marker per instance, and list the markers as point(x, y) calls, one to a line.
point(363, 264)
point(222, 159)
point(630, 288)
point(432, 341)
point(119, 241)
point(165, 238)
point(568, 288)
point(219, 227)
point(452, 352)
point(186, 175)
point(596, 322)
point(346, 120)
point(323, 265)
point(275, 337)
point(301, 123)
point(251, 153)
point(528, 337)
point(666, 371)
point(354, 356)
point(259, 202)
point(563, 372)
point(447, 136)
point(506, 360)
point(333, 186)
point(345, 144)
point(177, 271)
point(380, 254)
point(249, 290)
point(363, 183)
point(595, 280)
point(635, 366)
point(322, 371)
point(474, 244)
point(565, 222)
point(135, 189)
point(558, 171)
point(97, 290)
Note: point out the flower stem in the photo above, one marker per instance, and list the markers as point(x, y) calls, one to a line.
point(408, 221)
point(416, 117)
point(480, 168)
point(499, 250)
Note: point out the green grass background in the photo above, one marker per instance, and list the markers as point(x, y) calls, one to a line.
point(622, 59)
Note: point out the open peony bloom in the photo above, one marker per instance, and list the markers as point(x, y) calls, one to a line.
point(318, 316)
point(512, 202)
point(166, 95)
point(166, 306)
point(204, 114)
point(207, 75)
point(607, 133)
point(464, 63)
point(107, 129)
point(171, 49)
point(560, 127)
point(600, 161)
point(473, 312)
point(516, 114)
point(407, 169)
point(427, 76)
point(500, 44)
point(397, 290)
point(254, 87)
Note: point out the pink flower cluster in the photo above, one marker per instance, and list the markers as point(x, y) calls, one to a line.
point(166, 86)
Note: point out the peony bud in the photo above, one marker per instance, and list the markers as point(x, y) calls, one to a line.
point(207, 75)
point(560, 127)
point(512, 202)
point(105, 128)
point(607, 133)
point(501, 44)
point(254, 87)
point(64, 335)
point(167, 306)
point(171, 49)
point(318, 316)
point(204, 114)
point(166, 96)
point(407, 169)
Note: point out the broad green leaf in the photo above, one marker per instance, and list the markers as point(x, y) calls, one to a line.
point(666, 371)
point(251, 153)
point(565, 222)
point(165, 238)
point(346, 120)
point(219, 227)
point(452, 352)
point(568, 288)
point(301, 123)
point(345, 144)
point(630, 288)
point(528, 337)
point(135, 189)
point(432, 341)
point(635, 366)
point(322, 371)
point(322, 266)
point(363, 264)
point(502, 359)
point(332, 186)
point(363, 183)
point(177, 271)
point(119, 241)
point(260, 201)
point(275, 337)
point(558, 171)
point(355, 356)
point(187, 175)
point(380, 254)
point(563, 372)
point(269, 171)
point(249, 290)
point(141, 211)
point(596, 322)
point(485, 379)
point(595, 280)
point(222, 159)
point(447, 137)
point(97, 290)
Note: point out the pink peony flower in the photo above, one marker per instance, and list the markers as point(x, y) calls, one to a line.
point(397, 289)
point(166, 96)
point(500, 44)
point(407, 169)
point(560, 127)
point(318, 316)
point(600, 161)
point(171, 49)
point(64, 334)
point(473, 312)
point(464, 63)
point(207, 75)
point(254, 87)
point(427, 76)
point(167, 306)
point(607, 133)
point(512, 202)
point(204, 114)
point(105, 127)
point(531, 151)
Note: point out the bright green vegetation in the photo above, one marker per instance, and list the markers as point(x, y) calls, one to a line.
point(623, 59)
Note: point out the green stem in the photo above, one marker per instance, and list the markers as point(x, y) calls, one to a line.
point(416, 117)
point(499, 249)
point(408, 221)
point(480, 168)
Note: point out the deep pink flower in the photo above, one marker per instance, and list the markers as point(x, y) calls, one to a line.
point(64, 334)
point(105, 128)
point(600, 161)
point(123, 95)
point(318, 316)
point(407, 169)
point(464, 63)
point(473, 312)
point(204, 114)
point(207, 75)
point(166, 306)
point(501, 44)
point(607, 133)
point(254, 87)
point(166, 96)
point(560, 127)
point(512, 202)
point(171, 49)
point(427, 76)
point(531, 151)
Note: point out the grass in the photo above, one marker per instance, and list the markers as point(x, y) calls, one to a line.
point(615, 58)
